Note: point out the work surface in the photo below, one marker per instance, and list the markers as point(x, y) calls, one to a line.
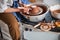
point(41, 36)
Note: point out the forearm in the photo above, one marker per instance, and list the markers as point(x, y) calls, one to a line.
point(9, 10)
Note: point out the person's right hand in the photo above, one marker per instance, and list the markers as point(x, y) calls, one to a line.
point(24, 9)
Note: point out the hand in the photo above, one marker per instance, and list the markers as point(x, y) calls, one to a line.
point(24, 9)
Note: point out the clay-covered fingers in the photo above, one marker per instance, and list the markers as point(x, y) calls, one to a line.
point(24, 9)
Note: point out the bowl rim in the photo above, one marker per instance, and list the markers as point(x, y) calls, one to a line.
point(53, 6)
point(38, 4)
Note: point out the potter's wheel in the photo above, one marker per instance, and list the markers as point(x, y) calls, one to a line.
point(27, 22)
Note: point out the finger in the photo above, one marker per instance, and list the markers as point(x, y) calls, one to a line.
point(21, 7)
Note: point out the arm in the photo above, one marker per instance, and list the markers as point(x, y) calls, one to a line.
point(8, 10)
point(5, 8)
point(20, 9)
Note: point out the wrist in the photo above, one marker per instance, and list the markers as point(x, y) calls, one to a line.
point(18, 10)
